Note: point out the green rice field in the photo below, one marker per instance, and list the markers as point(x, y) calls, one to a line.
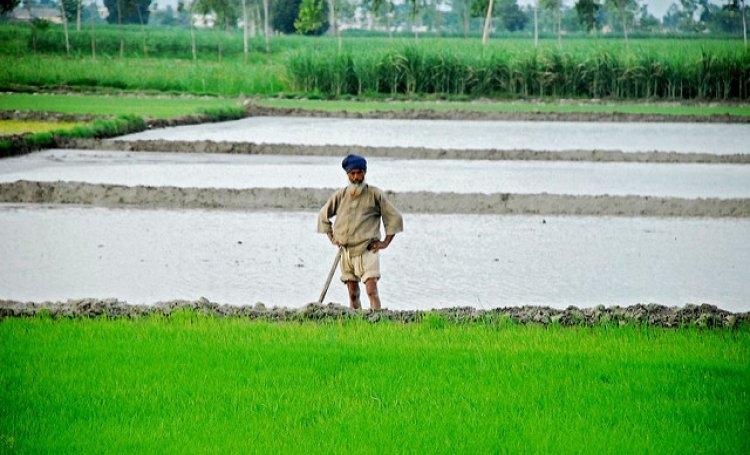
point(193, 383)
point(109, 105)
point(32, 126)
point(568, 106)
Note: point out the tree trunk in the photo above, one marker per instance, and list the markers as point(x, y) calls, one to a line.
point(93, 30)
point(559, 28)
point(536, 24)
point(78, 15)
point(624, 26)
point(192, 33)
point(388, 23)
point(266, 28)
point(245, 32)
point(487, 23)
point(466, 18)
point(119, 26)
point(65, 27)
point(744, 24)
point(143, 32)
point(332, 20)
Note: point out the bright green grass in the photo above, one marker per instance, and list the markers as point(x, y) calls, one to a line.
point(153, 107)
point(227, 77)
point(33, 126)
point(195, 384)
point(509, 106)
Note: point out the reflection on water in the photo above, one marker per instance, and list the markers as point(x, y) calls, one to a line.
point(460, 176)
point(629, 137)
point(142, 256)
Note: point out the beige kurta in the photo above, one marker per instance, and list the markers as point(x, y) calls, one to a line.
point(358, 218)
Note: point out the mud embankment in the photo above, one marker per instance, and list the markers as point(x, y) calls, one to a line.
point(455, 114)
point(250, 148)
point(652, 314)
point(410, 202)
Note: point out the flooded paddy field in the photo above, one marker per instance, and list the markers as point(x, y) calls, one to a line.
point(241, 257)
point(211, 170)
point(717, 139)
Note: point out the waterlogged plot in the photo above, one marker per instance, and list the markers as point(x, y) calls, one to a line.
point(718, 139)
point(459, 176)
point(143, 256)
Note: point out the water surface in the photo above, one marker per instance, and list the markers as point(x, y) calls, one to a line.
point(459, 176)
point(143, 256)
point(450, 134)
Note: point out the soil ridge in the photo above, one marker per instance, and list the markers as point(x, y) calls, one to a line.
point(294, 199)
point(699, 315)
point(423, 153)
point(459, 114)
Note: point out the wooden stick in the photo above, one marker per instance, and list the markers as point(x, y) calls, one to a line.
point(330, 276)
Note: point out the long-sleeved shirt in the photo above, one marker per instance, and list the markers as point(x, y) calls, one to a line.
point(358, 218)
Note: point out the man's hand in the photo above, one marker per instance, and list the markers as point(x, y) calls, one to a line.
point(377, 245)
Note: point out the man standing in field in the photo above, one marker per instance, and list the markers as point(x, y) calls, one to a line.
point(358, 209)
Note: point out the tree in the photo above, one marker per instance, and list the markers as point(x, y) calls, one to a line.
point(127, 11)
point(648, 22)
point(6, 6)
point(514, 19)
point(739, 6)
point(626, 10)
point(283, 15)
point(588, 11)
point(555, 7)
point(383, 8)
point(312, 17)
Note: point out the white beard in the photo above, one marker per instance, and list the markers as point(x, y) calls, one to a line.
point(355, 189)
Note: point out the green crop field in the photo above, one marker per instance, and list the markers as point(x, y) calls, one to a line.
point(32, 126)
point(161, 60)
point(142, 106)
point(505, 106)
point(192, 383)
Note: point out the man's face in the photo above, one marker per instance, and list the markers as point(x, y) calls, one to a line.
point(356, 176)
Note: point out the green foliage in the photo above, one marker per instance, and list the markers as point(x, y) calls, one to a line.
point(88, 386)
point(98, 129)
point(6, 6)
point(587, 11)
point(283, 14)
point(127, 11)
point(595, 73)
point(312, 18)
point(108, 105)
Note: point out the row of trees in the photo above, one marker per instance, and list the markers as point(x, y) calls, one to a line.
point(319, 16)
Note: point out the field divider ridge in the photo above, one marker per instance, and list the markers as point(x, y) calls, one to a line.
point(422, 153)
point(294, 199)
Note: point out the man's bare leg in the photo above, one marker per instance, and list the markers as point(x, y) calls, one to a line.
point(371, 285)
point(353, 288)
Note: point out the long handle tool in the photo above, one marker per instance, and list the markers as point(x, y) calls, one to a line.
point(330, 276)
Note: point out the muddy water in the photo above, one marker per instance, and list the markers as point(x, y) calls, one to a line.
point(629, 137)
point(261, 171)
point(56, 252)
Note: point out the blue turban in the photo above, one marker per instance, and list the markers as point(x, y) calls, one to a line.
point(352, 162)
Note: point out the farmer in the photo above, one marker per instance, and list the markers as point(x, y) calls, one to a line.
point(358, 209)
